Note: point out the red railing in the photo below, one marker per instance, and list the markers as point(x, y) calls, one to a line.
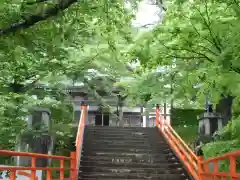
point(198, 168)
point(18, 170)
point(74, 159)
point(183, 152)
point(212, 173)
point(80, 132)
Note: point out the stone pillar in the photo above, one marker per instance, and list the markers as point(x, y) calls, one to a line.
point(46, 119)
point(29, 121)
point(120, 116)
point(144, 118)
point(220, 123)
point(147, 117)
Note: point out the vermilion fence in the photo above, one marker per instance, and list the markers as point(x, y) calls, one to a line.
point(74, 159)
point(32, 176)
point(198, 168)
point(208, 173)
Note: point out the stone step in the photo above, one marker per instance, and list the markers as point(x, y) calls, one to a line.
point(122, 141)
point(116, 135)
point(138, 176)
point(131, 170)
point(115, 155)
point(92, 145)
point(128, 153)
point(161, 177)
point(124, 150)
point(121, 132)
point(121, 145)
point(136, 158)
point(101, 128)
point(130, 140)
point(126, 138)
point(138, 140)
point(119, 163)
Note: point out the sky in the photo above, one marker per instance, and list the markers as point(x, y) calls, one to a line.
point(147, 14)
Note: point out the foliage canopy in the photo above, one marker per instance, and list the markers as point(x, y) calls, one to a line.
point(196, 44)
point(194, 52)
point(56, 43)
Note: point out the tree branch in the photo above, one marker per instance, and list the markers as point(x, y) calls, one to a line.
point(200, 55)
point(185, 57)
point(199, 47)
point(33, 19)
point(207, 24)
point(147, 25)
point(198, 33)
point(235, 69)
point(237, 3)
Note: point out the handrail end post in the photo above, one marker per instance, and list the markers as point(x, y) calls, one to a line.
point(157, 115)
point(73, 174)
point(200, 167)
point(83, 105)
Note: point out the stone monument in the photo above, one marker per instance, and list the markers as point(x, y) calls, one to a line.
point(209, 122)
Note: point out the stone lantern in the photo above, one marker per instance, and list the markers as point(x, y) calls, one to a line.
point(209, 123)
point(41, 143)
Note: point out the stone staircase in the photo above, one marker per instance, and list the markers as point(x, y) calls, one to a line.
point(128, 153)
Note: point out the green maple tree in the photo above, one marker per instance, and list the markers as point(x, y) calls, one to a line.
point(197, 45)
point(53, 43)
point(196, 42)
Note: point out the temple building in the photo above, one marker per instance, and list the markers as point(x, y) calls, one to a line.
point(115, 112)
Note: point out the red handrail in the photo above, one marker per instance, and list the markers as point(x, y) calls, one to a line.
point(183, 152)
point(205, 172)
point(80, 132)
point(196, 166)
point(33, 167)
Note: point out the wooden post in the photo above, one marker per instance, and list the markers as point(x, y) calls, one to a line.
point(73, 165)
point(62, 169)
point(49, 174)
point(33, 171)
point(12, 174)
point(83, 111)
point(233, 167)
point(200, 168)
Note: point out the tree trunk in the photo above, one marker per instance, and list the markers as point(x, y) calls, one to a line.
point(147, 116)
point(171, 90)
point(224, 108)
point(121, 121)
point(120, 111)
